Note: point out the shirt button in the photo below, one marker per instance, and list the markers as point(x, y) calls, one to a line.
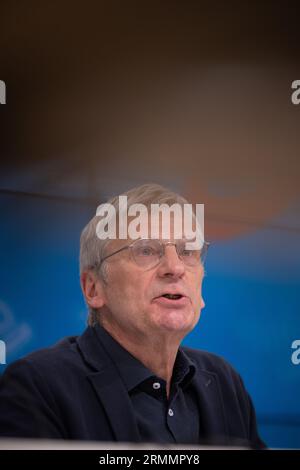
point(156, 385)
point(171, 412)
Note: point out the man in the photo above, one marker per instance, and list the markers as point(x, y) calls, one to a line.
point(126, 378)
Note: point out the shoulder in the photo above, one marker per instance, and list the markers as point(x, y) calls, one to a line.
point(35, 391)
point(51, 362)
point(229, 381)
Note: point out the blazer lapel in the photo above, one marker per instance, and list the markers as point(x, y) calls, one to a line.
point(109, 388)
point(114, 397)
point(213, 422)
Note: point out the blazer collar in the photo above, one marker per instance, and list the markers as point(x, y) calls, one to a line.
point(213, 423)
point(109, 387)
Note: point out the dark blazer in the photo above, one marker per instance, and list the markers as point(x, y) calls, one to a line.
point(73, 391)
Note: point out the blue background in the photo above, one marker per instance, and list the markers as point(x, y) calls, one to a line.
point(251, 291)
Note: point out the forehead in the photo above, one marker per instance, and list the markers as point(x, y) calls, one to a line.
point(171, 227)
point(165, 226)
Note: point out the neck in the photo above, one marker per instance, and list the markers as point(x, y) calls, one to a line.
point(157, 354)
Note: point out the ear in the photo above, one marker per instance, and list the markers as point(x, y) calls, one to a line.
point(202, 303)
point(93, 289)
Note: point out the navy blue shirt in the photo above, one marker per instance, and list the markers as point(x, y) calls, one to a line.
point(159, 419)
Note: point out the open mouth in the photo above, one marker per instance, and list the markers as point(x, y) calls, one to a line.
point(168, 300)
point(172, 296)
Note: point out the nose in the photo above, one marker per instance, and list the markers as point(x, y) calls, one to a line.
point(171, 265)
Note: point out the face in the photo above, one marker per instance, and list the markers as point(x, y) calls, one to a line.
point(136, 300)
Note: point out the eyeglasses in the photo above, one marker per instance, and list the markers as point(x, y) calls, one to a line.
point(147, 253)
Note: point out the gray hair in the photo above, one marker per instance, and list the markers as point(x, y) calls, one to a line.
point(92, 248)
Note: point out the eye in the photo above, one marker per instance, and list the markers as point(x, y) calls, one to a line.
point(146, 251)
point(187, 253)
point(191, 254)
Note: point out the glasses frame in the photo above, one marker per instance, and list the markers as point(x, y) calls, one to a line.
point(163, 246)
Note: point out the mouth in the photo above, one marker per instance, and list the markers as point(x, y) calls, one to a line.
point(172, 300)
point(172, 296)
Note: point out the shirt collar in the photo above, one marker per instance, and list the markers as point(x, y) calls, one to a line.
point(133, 372)
point(184, 369)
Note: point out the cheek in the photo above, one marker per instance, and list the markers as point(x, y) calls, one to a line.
point(197, 293)
point(126, 286)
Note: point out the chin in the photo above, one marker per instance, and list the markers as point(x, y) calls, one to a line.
point(176, 321)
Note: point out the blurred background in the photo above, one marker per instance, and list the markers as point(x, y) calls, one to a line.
point(106, 95)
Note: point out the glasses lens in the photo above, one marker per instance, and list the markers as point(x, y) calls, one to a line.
point(146, 253)
point(191, 257)
point(204, 251)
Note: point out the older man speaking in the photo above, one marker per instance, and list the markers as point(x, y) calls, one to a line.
point(126, 378)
